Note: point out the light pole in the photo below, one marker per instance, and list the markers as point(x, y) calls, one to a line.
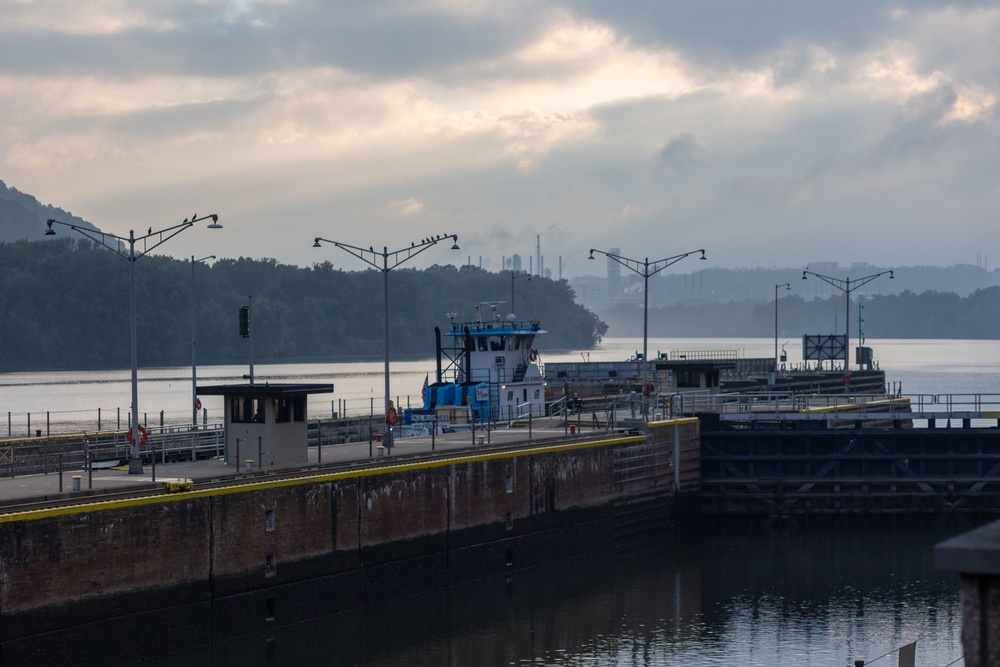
point(194, 345)
point(787, 287)
point(397, 257)
point(114, 243)
point(645, 269)
point(846, 285)
point(513, 275)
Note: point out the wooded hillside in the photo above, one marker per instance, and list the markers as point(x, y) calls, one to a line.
point(64, 304)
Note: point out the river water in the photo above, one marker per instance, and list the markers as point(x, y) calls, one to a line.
point(768, 600)
point(62, 400)
point(712, 600)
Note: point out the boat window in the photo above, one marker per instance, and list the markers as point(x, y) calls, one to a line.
point(299, 409)
point(537, 394)
point(496, 343)
point(510, 396)
point(481, 341)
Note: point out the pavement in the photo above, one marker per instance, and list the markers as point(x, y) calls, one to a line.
point(72, 483)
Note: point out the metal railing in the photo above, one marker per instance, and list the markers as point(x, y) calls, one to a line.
point(26, 456)
point(766, 405)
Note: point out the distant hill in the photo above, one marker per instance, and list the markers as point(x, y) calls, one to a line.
point(22, 217)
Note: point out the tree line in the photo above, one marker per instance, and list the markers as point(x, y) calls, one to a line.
point(64, 304)
point(930, 314)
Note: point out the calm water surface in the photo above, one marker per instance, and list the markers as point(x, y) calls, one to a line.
point(772, 600)
point(911, 366)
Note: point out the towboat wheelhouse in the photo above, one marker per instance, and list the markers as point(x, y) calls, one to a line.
point(491, 367)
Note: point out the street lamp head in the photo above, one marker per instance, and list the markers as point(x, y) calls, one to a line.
point(703, 255)
point(50, 231)
point(316, 243)
point(591, 254)
point(803, 275)
point(215, 222)
point(454, 245)
point(892, 276)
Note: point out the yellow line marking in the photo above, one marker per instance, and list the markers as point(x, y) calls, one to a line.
point(99, 505)
point(669, 422)
point(845, 407)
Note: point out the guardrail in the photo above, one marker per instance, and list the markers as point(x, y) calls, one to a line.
point(790, 405)
point(25, 456)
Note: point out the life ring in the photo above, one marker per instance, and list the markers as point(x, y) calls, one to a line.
point(197, 404)
point(143, 436)
point(390, 415)
point(533, 355)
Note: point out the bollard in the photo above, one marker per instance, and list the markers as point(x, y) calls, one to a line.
point(249, 464)
point(572, 429)
point(76, 482)
point(380, 451)
point(482, 440)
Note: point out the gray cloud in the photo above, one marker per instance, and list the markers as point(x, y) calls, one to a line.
point(765, 132)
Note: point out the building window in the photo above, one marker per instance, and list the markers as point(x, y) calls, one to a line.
point(239, 411)
point(270, 566)
point(282, 410)
point(269, 520)
point(244, 410)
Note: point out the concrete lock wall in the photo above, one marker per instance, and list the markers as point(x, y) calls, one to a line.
point(222, 563)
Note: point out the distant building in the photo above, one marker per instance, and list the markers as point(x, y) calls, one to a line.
point(614, 275)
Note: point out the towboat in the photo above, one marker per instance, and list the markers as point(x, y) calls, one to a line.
point(488, 369)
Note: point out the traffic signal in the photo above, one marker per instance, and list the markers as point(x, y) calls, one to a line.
point(245, 321)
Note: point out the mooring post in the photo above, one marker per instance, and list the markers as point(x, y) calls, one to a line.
point(88, 461)
point(677, 458)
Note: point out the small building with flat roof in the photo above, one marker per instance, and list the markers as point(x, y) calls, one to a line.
point(266, 423)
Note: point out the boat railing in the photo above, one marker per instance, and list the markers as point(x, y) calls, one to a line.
point(558, 407)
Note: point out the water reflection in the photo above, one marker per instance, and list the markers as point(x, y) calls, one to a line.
point(775, 600)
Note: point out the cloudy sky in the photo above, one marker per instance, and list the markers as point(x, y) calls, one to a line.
point(770, 133)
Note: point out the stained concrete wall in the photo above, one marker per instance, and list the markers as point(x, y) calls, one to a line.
point(239, 560)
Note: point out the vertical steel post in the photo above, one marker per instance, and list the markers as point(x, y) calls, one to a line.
point(134, 462)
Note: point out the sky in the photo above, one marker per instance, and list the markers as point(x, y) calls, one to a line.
point(771, 133)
